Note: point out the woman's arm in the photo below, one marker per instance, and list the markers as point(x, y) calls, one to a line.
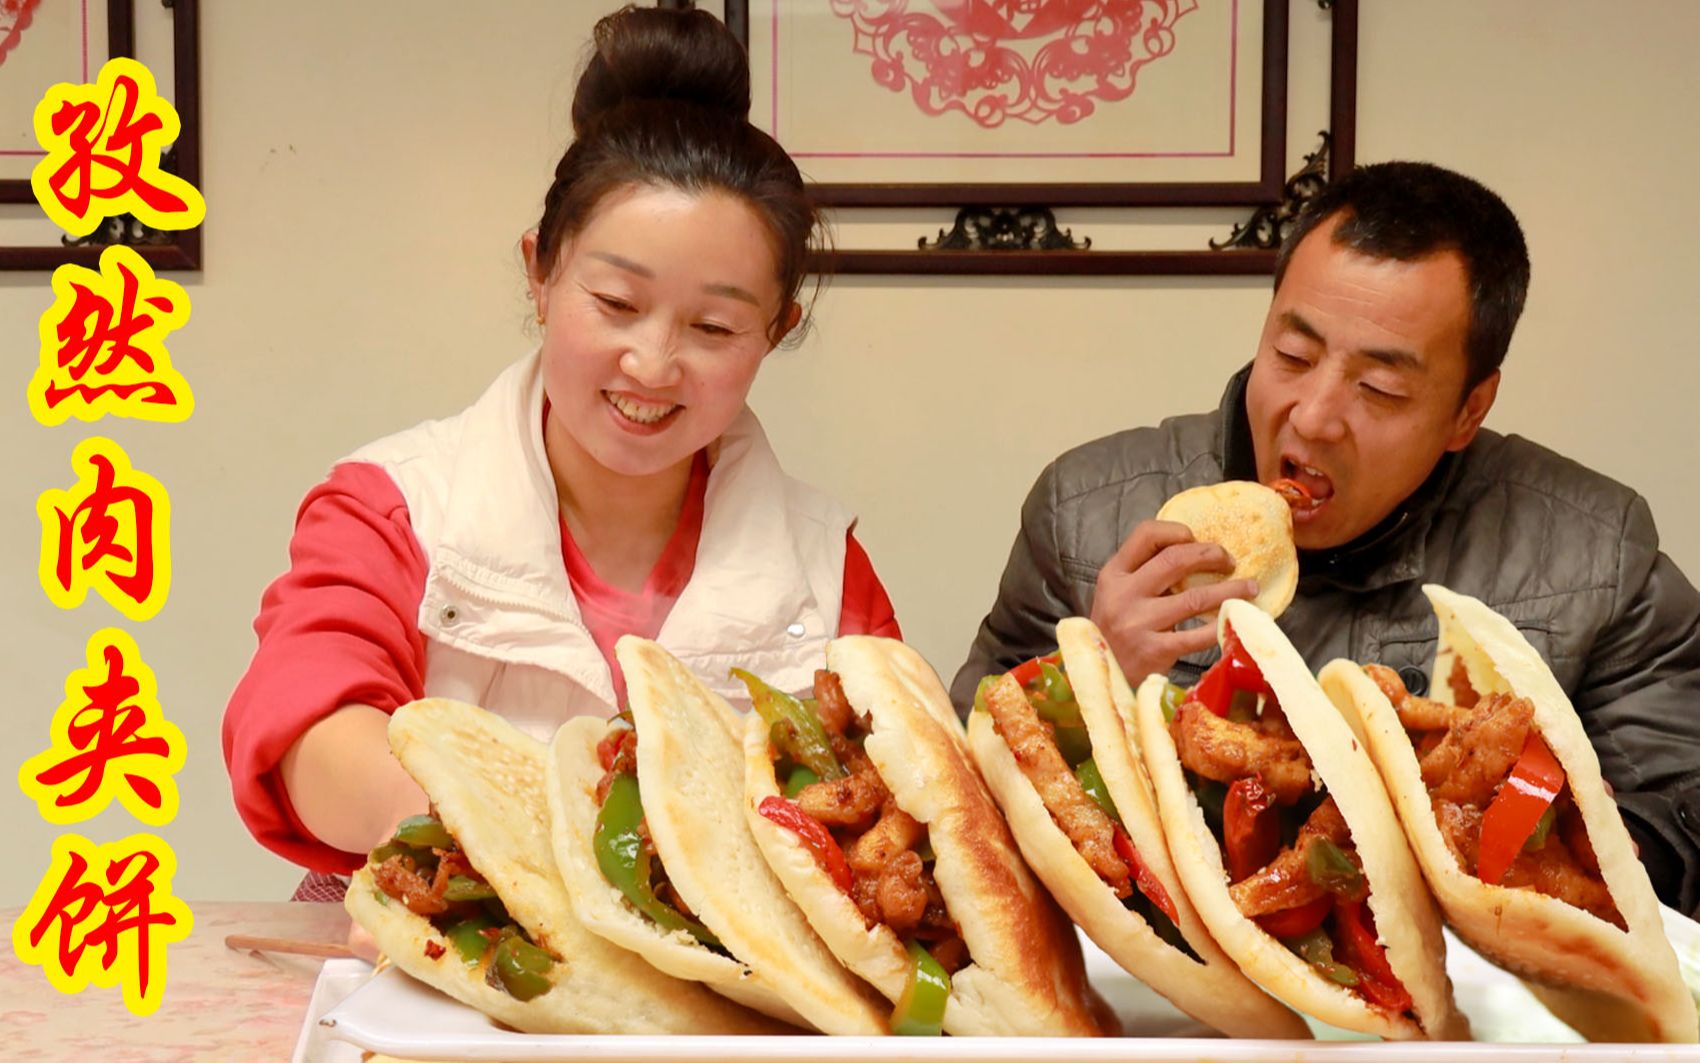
point(339, 648)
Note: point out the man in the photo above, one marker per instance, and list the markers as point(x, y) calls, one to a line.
point(1395, 298)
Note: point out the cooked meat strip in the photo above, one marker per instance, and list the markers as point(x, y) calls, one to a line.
point(1226, 751)
point(901, 893)
point(1463, 694)
point(1033, 743)
point(830, 703)
point(896, 831)
point(1479, 750)
point(1285, 883)
point(1575, 834)
point(397, 877)
point(951, 953)
point(1271, 720)
point(1554, 870)
point(1416, 714)
point(850, 802)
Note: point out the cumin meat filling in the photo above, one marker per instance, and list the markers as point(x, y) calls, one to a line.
point(1466, 752)
point(423, 867)
point(1291, 862)
point(888, 852)
point(1036, 714)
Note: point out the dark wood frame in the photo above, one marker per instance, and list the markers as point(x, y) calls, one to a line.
point(182, 251)
point(1267, 192)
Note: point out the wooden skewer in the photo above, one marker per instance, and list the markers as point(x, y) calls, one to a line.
point(300, 948)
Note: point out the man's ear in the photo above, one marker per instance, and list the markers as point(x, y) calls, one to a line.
point(1475, 409)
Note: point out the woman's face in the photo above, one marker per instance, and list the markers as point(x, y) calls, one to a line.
point(656, 318)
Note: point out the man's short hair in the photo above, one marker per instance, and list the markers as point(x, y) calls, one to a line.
point(1410, 210)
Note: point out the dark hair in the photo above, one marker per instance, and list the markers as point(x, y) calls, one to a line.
point(1410, 210)
point(664, 101)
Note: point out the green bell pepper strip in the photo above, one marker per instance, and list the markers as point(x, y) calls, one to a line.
point(1092, 781)
point(424, 832)
point(1173, 696)
point(797, 731)
point(1329, 867)
point(521, 968)
point(1543, 827)
point(1317, 949)
point(464, 888)
point(467, 940)
point(623, 855)
point(800, 777)
point(920, 1010)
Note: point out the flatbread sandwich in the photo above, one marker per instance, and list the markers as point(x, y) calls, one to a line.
point(1500, 794)
point(468, 901)
point(1052, 740)
point(650, 834)
point(866, 804)
point(1280, 829)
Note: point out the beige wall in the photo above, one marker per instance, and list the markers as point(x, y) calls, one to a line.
point(370, 167)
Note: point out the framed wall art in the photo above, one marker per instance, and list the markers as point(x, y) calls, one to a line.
point(43, 42)
point(1003, 111)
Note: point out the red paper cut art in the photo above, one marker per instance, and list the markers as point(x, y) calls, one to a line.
point(15, 18)
point(994, 60)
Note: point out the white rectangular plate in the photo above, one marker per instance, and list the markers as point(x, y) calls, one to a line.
point(394, 1014)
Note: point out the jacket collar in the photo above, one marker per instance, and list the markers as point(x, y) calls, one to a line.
point(1393, 551)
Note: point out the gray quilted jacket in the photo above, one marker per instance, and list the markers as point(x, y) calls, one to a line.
point(1570, 556)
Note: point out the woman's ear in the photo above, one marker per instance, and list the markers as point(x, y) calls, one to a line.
point(793, 314)
point(534, 277)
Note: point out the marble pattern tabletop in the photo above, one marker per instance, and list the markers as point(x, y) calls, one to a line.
point(219, 1003)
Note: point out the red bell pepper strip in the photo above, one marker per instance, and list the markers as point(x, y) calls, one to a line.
point(1235, 671)
point(1512, 816)
point(1295, 922)
point(1251, 827)
point(1146, 882)
point(1355, 930)
point(813, 834)
point(1027, 671)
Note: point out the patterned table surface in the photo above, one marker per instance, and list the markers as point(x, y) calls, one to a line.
point(219, 1003)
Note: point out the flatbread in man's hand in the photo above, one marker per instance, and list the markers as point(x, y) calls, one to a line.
point(1254, 524)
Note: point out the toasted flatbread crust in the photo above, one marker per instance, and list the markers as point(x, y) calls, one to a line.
point(1607, 984)
point(1214, 992)
point(689, 767)
point(486, 779)
point(1027, 978)
point(1405, 916)
point(573, 772)
point(1255, 526)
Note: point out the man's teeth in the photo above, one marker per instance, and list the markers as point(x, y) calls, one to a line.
point(641, 412)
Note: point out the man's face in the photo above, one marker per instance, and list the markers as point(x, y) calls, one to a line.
point(1356, 388)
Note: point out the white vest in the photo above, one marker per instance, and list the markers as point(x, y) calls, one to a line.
point(502, 628)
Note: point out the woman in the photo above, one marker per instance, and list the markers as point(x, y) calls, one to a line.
point(611, 482)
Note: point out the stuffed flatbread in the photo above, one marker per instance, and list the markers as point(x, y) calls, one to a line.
point(651, 825)
point(1500, 794)
point(468, 900)
point(1053, 740)
point(895, 851)
point(1279, 827)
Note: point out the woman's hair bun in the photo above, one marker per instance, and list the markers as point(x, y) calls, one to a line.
point(661, 54)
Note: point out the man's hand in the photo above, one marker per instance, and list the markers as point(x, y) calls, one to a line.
point(1136, 613)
